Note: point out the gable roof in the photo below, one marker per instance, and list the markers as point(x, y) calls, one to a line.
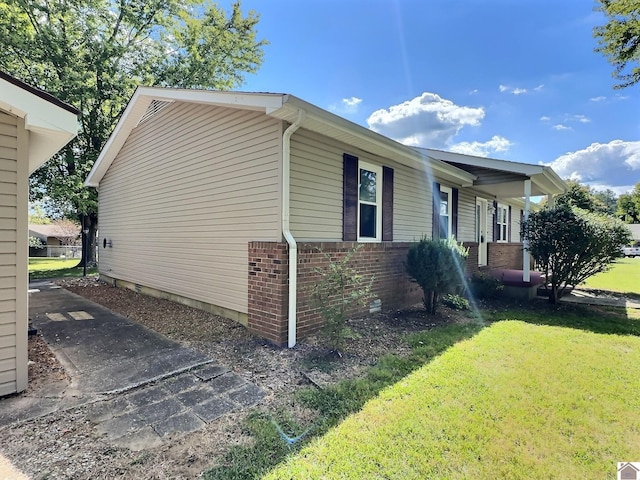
point(51, 123)
point(43, 231)
point(503, 178)
point(148, 100)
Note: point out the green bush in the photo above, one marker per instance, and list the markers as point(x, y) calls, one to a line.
point(438, 267)
point(570, 244)
point(485, 287)
point(456, 302)
point(338, 292)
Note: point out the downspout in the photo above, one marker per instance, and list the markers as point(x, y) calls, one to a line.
point(286, 232)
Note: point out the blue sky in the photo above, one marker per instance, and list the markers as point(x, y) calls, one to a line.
point(511, 79)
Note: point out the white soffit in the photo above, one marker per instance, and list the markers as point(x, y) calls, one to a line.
point(51, 127)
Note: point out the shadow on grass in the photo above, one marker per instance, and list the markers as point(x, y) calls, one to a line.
point(332, 404)
point(60, 273)
point(604, 320)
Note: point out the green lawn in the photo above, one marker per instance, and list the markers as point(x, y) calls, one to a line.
point(624, 277)
point(42, 267)
point(552, 394)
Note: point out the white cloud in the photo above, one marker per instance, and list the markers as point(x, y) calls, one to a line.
point(351, 102)
point(560, 126)
point(539, 87)
point(598, 99)
point(483, 149)
point(474, 91)
point(544, 118)
point(581, 118)
point(519, 91)
point(426, 121)
point(503, 88)
point(608, 165)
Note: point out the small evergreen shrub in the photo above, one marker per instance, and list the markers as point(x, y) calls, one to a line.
point(438, 267)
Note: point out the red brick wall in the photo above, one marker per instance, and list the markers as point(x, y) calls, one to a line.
point(268, 290)
point(472, 258)
point(504, 255)
point(268, 282)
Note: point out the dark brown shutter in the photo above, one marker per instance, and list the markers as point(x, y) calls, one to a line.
point(387, 204)
point(496, 230)
point(454, 212)
point(509, 225)
point(435, 224)
point(350, 198)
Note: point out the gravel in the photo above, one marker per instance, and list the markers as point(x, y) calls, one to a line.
point(65, 444)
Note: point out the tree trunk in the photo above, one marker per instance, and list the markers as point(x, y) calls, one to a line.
point(90, 224)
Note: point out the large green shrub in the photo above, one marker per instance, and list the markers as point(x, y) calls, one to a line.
point(438, 267)
point(569, 244)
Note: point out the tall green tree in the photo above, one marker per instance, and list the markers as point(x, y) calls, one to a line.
point(619, 39)
point(93, 53)
point(629, 205)
point(586, 198)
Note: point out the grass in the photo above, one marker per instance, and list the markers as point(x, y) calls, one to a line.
point(42, 268)
point(333, 404)
point(552, 394)
point(623, 277)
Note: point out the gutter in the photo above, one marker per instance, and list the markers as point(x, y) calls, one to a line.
point(286, 232)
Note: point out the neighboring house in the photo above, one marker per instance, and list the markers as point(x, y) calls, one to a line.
point(53, 238)
point(635, 233)
point(33, 127)
point(229, 202)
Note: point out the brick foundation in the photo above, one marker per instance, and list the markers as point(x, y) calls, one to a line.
point(504, 255)
point(472, 258)
point(268, 282)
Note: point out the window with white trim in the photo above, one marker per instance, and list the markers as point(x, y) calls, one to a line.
point(369, 202)
point(503, 223)
point(446, 206)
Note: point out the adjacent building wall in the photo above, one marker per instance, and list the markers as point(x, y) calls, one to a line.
point(190, 188)
point(13, 254)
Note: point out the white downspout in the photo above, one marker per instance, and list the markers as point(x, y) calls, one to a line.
point(286, 232)
point(526, 262)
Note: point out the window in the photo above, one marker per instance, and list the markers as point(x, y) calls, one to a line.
point(446, 206)
point(502, 220)
point(369, 202)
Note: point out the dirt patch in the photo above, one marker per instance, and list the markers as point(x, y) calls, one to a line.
point(65, 444)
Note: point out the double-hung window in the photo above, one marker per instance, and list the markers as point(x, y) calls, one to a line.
point(503, 223)
point(369, 202)
point(446, 205)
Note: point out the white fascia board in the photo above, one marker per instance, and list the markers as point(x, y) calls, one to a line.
point(493, 163)
point(142, 98)
point(51, 127)
point(381, 145)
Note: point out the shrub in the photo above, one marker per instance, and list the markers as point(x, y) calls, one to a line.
point(438, 267)
point(485, 287)
point(456, 302)
point(570, 244)
point(337, 293)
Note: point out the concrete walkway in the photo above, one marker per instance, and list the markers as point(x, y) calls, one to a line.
point(141, 387)
point(587, 297)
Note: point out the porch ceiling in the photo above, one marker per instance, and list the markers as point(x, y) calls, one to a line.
point(502, 178)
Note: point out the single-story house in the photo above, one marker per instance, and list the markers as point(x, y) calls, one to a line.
point(635, 232)
point(33, 127)
point(53, 240)
point(229, 202)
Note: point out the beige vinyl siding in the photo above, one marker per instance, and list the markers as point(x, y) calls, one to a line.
point(13, 305)
point(189, 189)
point(316, 191)
point(515, 223)
point(466, 216)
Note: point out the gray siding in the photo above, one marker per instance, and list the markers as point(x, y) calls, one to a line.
point(466, 216)
point(189, 189)
point(8, 253)
point(316, 191)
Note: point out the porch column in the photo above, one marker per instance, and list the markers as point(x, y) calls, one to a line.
point(551, 200)
point(526, 261)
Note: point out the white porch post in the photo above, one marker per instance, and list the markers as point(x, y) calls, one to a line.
point(551, 200)
point(526, 262)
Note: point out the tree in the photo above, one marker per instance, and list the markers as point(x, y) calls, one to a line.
point(570, 244)
point(37, 214)
point(608, 199)
point(438, 267)
point(93, 53)
point(67, 231)
point(619, 39)
point(629, 205)
point(584, 197)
